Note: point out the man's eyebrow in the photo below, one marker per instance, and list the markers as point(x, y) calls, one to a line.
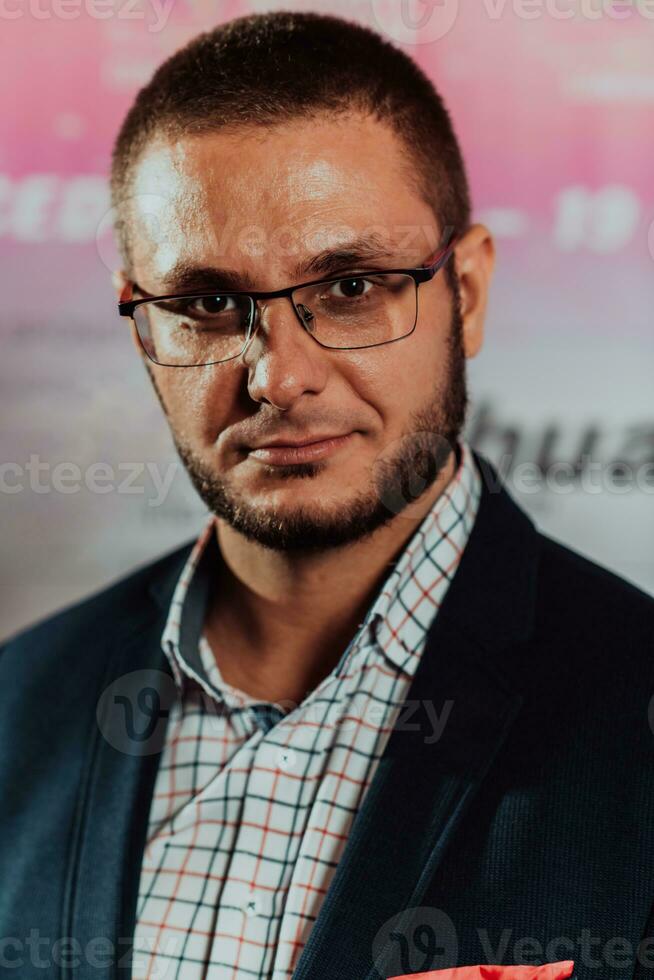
point(185, 276)
point(356, 252)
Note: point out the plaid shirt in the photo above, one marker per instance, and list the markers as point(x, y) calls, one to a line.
point(252, 805)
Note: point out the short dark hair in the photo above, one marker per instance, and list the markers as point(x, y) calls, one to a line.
point(264, 69)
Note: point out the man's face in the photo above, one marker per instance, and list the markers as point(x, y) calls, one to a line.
point(261, 204)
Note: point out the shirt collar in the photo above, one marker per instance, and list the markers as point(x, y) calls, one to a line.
point(185, 620)
point(416, 587)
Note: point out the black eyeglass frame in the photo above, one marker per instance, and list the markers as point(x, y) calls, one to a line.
point(126, 307)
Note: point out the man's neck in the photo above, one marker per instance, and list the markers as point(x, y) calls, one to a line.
point(279, 623)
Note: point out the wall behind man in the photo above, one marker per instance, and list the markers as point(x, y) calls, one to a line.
point(553, 105)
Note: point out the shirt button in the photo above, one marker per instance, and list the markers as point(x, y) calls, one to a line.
point(287, 759)
point(253, 906)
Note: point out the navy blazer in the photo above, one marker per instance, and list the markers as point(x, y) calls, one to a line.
point(524, 833)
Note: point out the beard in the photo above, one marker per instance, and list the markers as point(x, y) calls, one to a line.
point(400, 476)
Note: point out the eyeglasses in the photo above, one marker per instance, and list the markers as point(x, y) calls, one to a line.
point(363, 309)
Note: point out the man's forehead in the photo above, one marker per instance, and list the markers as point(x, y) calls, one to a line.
point(300, 161)
point(187, 210)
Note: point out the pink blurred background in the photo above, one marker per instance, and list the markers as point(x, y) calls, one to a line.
point(555, 116)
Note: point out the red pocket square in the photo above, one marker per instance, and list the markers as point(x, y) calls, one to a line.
point(548, 971)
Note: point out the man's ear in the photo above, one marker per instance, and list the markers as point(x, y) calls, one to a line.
point(119, 280)
point(475, 261)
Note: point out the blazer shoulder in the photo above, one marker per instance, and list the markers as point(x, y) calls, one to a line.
point(562, 561)
point(587, 600)
point(121, 597)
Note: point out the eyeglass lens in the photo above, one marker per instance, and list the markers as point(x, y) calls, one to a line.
point(342, 313)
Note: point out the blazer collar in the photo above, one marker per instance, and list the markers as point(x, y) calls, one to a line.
point(473, 661)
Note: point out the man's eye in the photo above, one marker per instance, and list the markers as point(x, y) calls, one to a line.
point(198, 307)
point(351, 288)
point(206, 306)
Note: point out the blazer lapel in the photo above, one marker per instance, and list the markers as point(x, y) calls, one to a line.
point(423, 785)
point(124, 750)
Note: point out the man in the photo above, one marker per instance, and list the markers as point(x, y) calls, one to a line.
point(371, 722)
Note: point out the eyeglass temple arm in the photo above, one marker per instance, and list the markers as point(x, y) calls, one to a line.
point(126, 296)
point(438, 259)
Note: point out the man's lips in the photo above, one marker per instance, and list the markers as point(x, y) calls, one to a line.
point(308, 440)
point(283, 453)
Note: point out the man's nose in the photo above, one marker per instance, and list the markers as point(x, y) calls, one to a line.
point(283, 360)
